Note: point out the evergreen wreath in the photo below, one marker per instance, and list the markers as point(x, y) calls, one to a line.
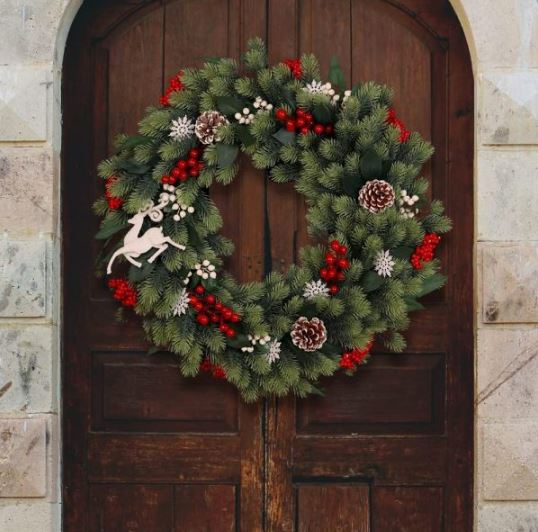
point(356, 165)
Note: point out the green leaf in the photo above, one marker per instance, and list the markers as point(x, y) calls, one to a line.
point(134, 140)
point(284, 136)
point(323, 113)
point(229, 105)
point(336, 76)
point(245, 136)
point(413, 304)
point(430, 284)
point(371, 281)
point(137, 274)
point(132, 167)
point(226, 155)
point(371, 165)
point(402, 252)
point(107, 230)
point(351, 184)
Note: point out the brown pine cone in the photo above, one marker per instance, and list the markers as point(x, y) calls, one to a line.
point(376, 196)
point(308, 335)
point(207, 125)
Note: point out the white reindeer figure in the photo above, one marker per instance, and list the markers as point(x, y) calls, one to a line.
point(135, 245)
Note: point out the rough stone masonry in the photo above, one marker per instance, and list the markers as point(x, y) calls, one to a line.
point(503, 39)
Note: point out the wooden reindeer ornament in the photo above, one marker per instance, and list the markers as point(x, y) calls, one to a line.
point(135, 245)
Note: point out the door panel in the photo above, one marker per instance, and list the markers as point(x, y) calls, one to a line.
point(145, 449)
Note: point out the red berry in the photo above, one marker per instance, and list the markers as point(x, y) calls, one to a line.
point(200, 290)
point(230, 333)
point(176, 172)
point(319, 129)
point(184, 175)
point(300, 122)
point(218, 307)
point(329, 129)
point(331, 273)
point(309, 118)
point(223, 328)
point(192, 162)
point(329, 258)
point(210, 299)
point(305, 130)
point(227, 314)
point(323, 273)
point(340, 276)
point(343, 250)
point(290, 125)
point(193, 172)
point(281, 115)
point(215, 318)
point(333, 289)
point(195, 153)
point(335, 245)
point(235, 318)
point(300, 113)
point(165, 179)
point(182, 165)
point(343, 264)
point(202, 319)
point(198, 306)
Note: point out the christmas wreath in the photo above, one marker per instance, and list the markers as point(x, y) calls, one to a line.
point(357, 167)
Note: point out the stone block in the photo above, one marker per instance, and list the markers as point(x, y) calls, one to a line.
point(23, 278)
point(26, 209)
point(23, 102)
point(509, 108)
point(29, 516)
point(510, 461)
point(507, 374)
point(26, 369)
point(29, 30)
point(504, 33)
point(23, 461)
point(507, 206)
point(510, 283)
point(507, 517)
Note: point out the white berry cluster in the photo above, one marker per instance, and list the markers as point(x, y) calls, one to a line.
point(347, 94)
point(188, 278)
point(317, 87)
point(406, 203)
point(246, 117)
point(206, 270)
point(255, 340)
point(171, 196)
point(262, 105)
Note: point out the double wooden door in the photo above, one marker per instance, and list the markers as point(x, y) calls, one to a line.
point(145, 450)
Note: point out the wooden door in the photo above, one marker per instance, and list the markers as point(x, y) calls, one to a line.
point(387, 450)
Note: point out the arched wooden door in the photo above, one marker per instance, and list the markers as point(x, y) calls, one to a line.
point(389, 450)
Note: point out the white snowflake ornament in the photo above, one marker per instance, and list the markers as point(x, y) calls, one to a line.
point(316, 288)
point(384, 263)
point(182, 128)
point(317, 87)
point(273, 353)
point(182, 304)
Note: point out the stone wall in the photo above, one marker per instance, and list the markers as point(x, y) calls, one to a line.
point(503, 38)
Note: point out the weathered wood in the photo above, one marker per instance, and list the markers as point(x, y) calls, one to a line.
point(146, 449)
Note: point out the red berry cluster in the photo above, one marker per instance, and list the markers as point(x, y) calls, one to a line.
point(335, 265)
point(174, 85)
point(210, 310)
point(355, 357)
point(393, 120)
point(295, 66)
point(124, 292)
point(217, 371)
point(424, 252)
point(113, 201)
point(303, 122)
point(185, 168)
